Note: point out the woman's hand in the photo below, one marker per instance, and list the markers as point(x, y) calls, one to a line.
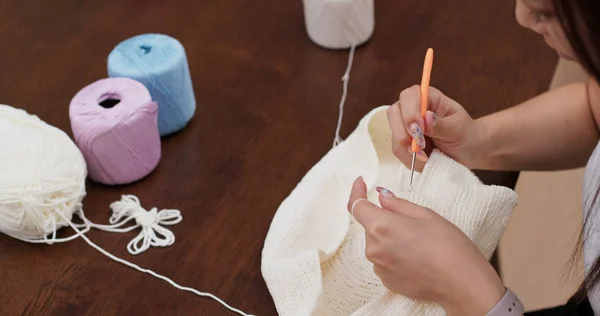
point(419, 254)
point(446, 123)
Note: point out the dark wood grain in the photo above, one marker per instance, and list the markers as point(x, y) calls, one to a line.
point(267, 108)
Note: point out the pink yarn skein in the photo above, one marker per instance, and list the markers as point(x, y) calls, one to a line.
point(114, 122)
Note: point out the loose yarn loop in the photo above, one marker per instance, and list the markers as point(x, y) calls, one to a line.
point(42, 186)
point(152, 234)
point(339, 24)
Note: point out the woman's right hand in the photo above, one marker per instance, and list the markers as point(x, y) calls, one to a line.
point(447, 125)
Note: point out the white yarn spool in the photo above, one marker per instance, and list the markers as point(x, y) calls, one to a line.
point(339, 24)
point(42, 185)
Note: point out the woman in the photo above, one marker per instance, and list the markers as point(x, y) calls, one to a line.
point(556, 130)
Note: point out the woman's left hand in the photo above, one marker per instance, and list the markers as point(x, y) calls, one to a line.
point(420, 254)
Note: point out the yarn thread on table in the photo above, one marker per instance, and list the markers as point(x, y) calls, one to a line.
point(114, 122)
point(42, 186)
point(160, 63)
point(340, 24)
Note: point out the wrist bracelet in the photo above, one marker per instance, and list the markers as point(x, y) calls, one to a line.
point(508, 305)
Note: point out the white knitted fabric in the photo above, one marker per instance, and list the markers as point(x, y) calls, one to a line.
point(313, 260)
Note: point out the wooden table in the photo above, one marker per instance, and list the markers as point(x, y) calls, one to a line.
point(267, 109)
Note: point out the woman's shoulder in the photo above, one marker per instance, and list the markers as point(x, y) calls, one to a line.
point(591, 179)
point(593, 95)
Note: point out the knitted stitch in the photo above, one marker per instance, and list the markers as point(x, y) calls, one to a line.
point(313, 260)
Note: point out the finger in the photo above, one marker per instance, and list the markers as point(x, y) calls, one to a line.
point(394, 116)
point(401, 141)
point(390, 202)
point(358, 191)
point(442, 128)
point(410, 108)
point(404, 155)
point(439, 103)
point(363, 211)
point(410, 104)
point(439, 106)
point(384, 271)
point(384, 276)
point(378, 271)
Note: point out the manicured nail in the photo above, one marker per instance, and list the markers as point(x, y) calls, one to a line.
point(432, 118)
point(421, 156)
point(385, 192)
point(417, 134)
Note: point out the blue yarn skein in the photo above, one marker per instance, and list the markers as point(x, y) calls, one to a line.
point(159, 62)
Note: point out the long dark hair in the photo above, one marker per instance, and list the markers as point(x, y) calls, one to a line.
point(580, 20)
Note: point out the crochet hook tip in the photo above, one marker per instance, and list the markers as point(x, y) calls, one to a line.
point(412, 170)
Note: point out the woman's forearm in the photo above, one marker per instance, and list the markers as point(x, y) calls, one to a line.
point(476, 295)
point(555, 130)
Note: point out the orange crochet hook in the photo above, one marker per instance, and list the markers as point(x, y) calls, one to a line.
point(425, 79)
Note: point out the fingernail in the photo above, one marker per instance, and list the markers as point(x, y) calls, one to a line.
point(433, 118)
point(421, 156)
point(385, 192)
point(417, 134)
point(358, 179)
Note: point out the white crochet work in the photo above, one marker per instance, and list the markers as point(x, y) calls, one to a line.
point(313, 260)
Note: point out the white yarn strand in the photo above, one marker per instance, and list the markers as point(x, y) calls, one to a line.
point(53, 239)
point(130, 205)
point(345, 78)
point(154, 274)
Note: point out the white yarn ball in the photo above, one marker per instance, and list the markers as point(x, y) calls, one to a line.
point(42, 172)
